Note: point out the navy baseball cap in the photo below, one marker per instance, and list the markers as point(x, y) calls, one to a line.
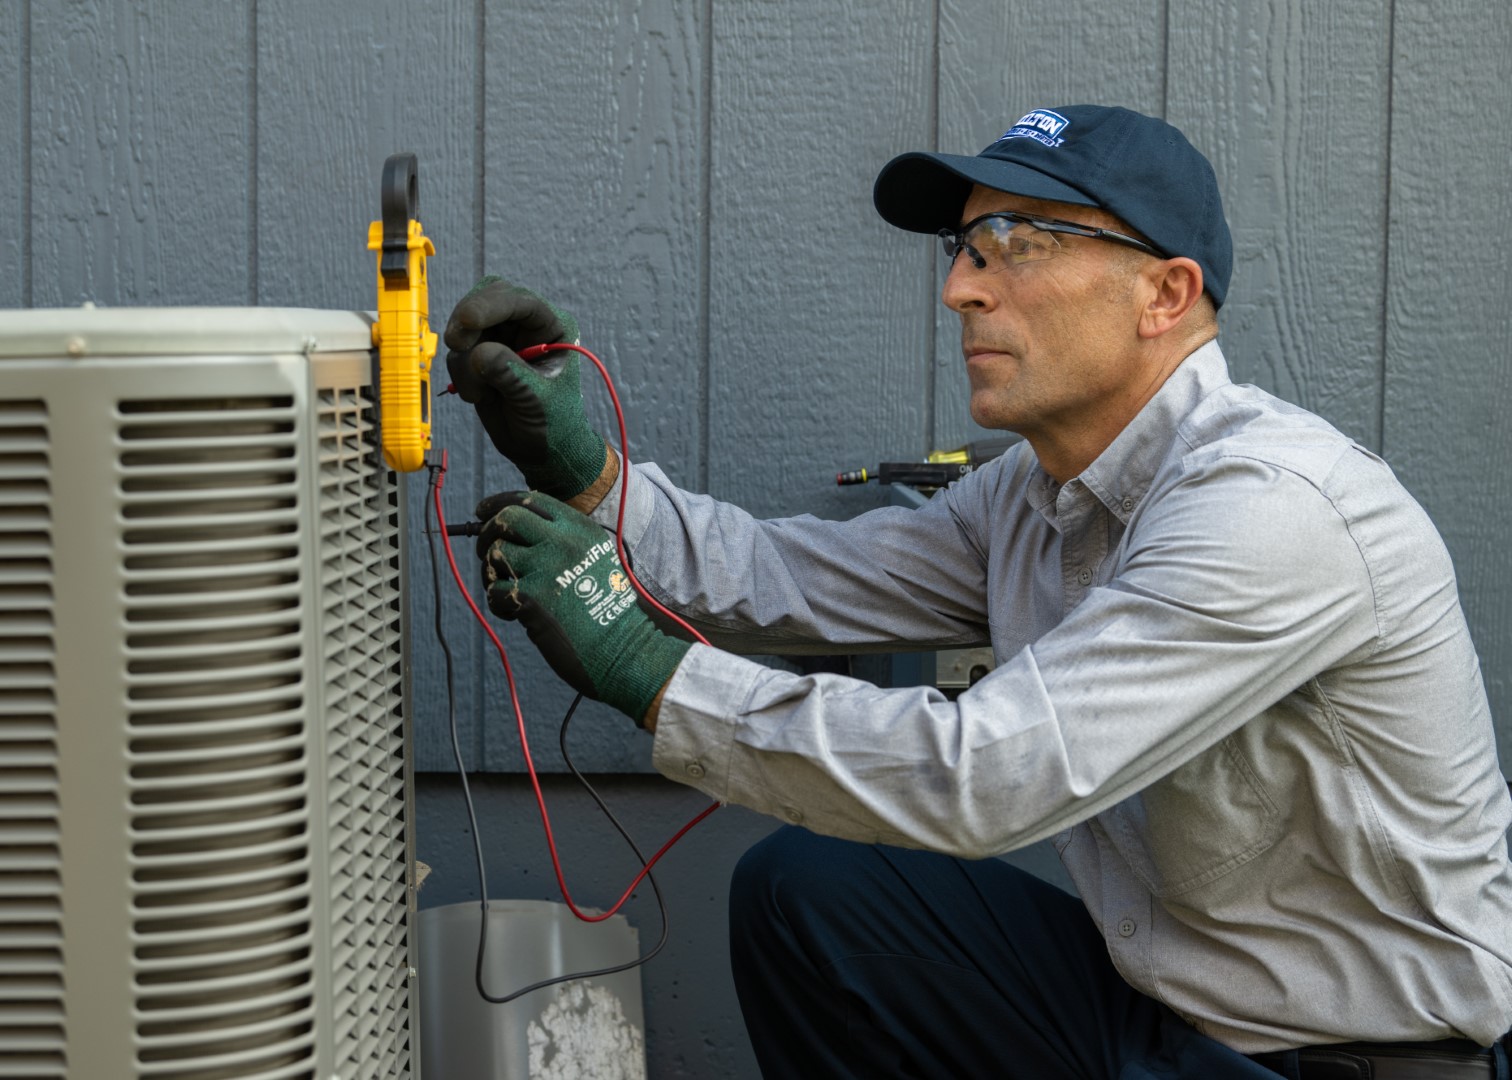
point(1138, 168)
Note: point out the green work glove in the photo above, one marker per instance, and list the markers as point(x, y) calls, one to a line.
point(532, 412)
point(556, 571)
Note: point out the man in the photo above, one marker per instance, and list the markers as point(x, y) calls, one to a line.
point(1233, 678)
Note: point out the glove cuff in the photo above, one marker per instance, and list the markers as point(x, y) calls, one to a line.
point(573, 466)
point(636, 684)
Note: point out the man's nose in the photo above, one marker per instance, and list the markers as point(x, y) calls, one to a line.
point(966, 287)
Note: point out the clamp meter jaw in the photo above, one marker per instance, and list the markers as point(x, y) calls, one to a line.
point(402, 334)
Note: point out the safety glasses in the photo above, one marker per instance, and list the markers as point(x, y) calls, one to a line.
point(1002, 239)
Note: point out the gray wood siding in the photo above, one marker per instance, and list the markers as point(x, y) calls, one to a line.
point(992, 58)
point(1290, 101)
point(594, 160)
point(817, 320)
point(693, 180)
point(1447, 373)
point(140, 150)
point(15, 159)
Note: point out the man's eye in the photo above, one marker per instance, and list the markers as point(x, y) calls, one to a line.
point(1021, 246)
point(1030, 244)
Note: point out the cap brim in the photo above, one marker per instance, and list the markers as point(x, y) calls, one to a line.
point(924, 192)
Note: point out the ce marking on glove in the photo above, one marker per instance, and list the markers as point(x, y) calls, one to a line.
point(606, 605)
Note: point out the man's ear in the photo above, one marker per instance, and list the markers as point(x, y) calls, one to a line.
point(1174, 287)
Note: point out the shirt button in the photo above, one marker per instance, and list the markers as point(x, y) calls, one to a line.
point(1126, 928)
point(793, 814)
point(1128, 503)
point(695, 770)
point(1084, 576)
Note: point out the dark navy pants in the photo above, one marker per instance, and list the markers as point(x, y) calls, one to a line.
point(859, 961)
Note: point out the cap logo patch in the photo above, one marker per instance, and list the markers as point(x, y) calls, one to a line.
point(1041, 125)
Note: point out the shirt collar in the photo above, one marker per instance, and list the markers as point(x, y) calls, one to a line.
point(1122, 473)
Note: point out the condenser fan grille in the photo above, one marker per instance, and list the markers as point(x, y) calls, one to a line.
point(218, 751)
point(206, 855)
point(362, 632)
point(32, 1042)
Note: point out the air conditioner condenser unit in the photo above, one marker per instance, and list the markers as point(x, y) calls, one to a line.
point(206, 807)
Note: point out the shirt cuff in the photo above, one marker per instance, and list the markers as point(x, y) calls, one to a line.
point(695, 727)
point(638, 510)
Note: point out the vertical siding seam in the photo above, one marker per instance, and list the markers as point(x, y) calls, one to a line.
point(1165, 59)
point(252, 163)
point(705, 249)
point(480, 446)
point(480, 149)
point(931, 340)
point(26, 155)
point(1391, 14)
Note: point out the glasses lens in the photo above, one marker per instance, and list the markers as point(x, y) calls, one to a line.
point(1006, 241)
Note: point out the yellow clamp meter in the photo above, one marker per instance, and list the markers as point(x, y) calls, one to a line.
point(402, 333)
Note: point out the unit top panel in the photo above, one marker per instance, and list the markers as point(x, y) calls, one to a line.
point(96, 332)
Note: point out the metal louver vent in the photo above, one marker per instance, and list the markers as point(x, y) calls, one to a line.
point(32, 1040)
point(362, 631)
point(219, 787)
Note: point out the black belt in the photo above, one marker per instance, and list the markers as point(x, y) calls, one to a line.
point(1447, 1059)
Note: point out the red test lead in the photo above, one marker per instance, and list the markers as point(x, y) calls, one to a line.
point(532, 353)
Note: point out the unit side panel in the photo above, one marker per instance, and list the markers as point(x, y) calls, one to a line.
point(218, 722)
point(365, 774)
point(175, 830)
point(33, 1036)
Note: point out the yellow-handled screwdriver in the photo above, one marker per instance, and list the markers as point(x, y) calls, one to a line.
point(941, 467)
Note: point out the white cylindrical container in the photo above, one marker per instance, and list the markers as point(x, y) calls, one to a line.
point(587, 1029)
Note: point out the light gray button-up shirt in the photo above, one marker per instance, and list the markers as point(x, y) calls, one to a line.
point(1233, 682)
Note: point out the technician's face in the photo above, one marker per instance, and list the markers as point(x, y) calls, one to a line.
point(1047, 341)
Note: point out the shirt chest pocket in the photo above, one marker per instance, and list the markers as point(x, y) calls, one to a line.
point(1192, 827)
